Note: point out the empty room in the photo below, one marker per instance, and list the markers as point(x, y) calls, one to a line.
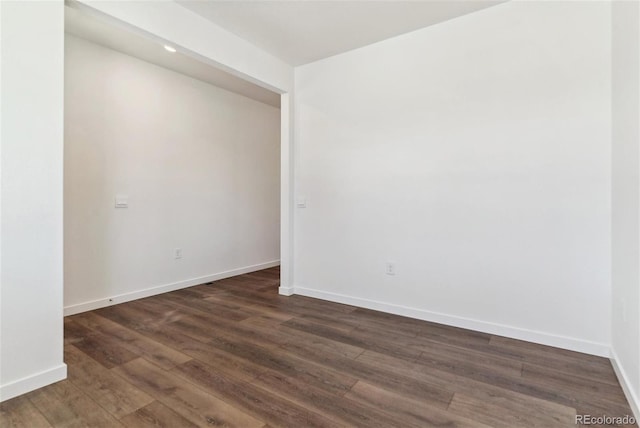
point(319, 213)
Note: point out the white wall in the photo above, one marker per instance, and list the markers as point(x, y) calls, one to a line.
point(31, 51)
point(475, 154)
point(199, 165)
point(626, 195)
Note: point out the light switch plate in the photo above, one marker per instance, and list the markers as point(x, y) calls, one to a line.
point(122, 201)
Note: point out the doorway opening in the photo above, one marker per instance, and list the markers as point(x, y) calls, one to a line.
point(173, 169)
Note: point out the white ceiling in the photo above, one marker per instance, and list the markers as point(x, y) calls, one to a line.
point(296, 31)
point(88, 27)
point(303, 31)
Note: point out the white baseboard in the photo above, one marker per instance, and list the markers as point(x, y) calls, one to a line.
point(623, 378)
point(285, 291)
point(587, 347)
point(148, 292)
point(33, 382)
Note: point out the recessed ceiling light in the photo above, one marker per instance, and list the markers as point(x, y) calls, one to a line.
point(170, 48)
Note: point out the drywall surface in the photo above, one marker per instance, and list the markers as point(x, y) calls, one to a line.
point(31, 137)
point(199, 167)
point(475, 155)
point(626, 194)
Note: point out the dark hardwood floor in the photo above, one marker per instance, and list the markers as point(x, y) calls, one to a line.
point(235, 353)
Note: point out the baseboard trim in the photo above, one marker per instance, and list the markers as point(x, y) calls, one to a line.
point(148, 292)
point(623, 378)
point(587, 347)
point(285, 291)
point(33, 382)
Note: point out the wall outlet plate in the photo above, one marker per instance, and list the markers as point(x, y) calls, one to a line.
point(390, 268)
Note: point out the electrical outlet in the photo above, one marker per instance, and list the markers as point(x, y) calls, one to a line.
point(177, 253)
point(390, 268)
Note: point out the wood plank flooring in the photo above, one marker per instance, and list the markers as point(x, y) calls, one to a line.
point(233, 353)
